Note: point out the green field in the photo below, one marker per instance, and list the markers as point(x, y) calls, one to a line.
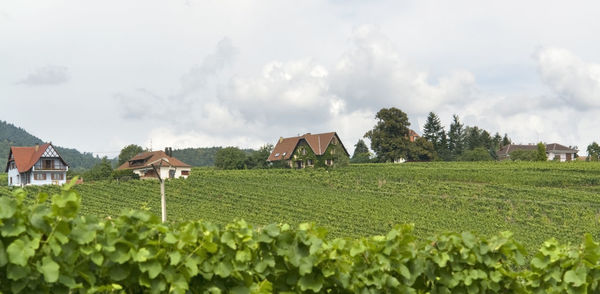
point(536, 201)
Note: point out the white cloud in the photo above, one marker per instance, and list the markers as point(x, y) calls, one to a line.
point(569, 77)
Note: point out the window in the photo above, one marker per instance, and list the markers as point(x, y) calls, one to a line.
point(10, 181)
point(284, 154)
point(303, 151)
point(58, 176)
point(329, 162)
point(309, 162)
point(332, 151)
point(171, 173)
point(185, 172)
point(39, 177)
point(276, 154)
point(48, 164)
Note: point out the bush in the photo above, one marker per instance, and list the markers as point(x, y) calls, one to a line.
point(230, 158)
point(524, 155)
point(124, 175)
point(477, 154)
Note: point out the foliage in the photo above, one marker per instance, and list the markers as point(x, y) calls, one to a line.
point(541, 152)
point(477, 154)
point(129, 152)
point(258, 158)
point(361, 153)
point(434, 133)
point(389, 137)
point(124, 175)
point(524, 155)
point(456, 137)
point(230, 158)
point(11, 135)
point(3, 179)
point(535, 200)
point(421, 150)
point(49, 248)
point(201, 156)
point(593, 151)
point(101, 171)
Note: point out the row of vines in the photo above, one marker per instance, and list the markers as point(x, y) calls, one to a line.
point(536, 201)
point(48, 247)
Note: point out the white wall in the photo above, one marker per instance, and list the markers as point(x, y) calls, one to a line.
point(13, 173)
point(49, 180)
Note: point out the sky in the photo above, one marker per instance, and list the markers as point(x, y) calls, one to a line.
point(100, 75)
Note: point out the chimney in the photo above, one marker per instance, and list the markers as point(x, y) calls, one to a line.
point(280, 139)
point(37, 146)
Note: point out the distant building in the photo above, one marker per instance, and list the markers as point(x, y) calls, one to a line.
point(554, 151)
point(308, 150)
point(147, 164)
point(412, 135)
point(36, 165)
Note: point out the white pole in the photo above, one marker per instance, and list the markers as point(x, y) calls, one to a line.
point(163, 202)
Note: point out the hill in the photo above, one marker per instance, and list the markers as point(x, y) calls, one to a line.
point(10, 135)
point(199, 156)
point(536, 201)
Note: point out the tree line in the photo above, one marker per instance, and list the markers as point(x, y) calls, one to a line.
point(391, 142)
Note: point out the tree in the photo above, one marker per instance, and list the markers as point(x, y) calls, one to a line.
point(258, 158)
point(101, 171)
point(541, 152)
point(389, 137)
point(361, 153)
point(477, 154)
point(128, 152)
point(593, 151)
point(505, 140)
point(421, 150)
point(456, 137)
point(523, 155)
point(230, 158)
point(435, 133)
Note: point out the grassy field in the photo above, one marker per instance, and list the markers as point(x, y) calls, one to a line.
point(536, 201)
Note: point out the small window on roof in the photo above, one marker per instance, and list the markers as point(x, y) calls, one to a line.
point(276, 154)
point(284, 153)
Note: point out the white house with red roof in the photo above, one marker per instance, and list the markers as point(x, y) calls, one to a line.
point(148, 165)
point(36, 165)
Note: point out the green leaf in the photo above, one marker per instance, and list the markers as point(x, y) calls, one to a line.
point(310, 282)
point(3, 257)
point(97, 258)
point(576, 277)
point(175, 257)
point(8, 207)
point(19, 252)
point(49, 269)
point(153, 268)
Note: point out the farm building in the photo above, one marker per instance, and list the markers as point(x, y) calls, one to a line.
point(554, 151)
point(36, 165)
point(309, 150)
point(147, 164)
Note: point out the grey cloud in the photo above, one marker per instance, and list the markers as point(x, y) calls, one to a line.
point(186, 103)
point(47, 75)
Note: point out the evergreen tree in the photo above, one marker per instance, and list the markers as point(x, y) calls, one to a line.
point(505, 140)
point(456, 137)
point(541, 152)
point(361, 152)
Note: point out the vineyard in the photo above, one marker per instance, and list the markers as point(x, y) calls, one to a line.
point(535, 201)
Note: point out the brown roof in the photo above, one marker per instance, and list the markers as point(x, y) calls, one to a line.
point(146, 159)
point(558, 147)
point(317, 142)
point(26, 157)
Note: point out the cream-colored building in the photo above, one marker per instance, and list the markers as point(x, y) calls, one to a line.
point(147, 164)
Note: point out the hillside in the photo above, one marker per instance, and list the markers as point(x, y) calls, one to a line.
point(536, 201)
point(199, 156)
point(11, 135)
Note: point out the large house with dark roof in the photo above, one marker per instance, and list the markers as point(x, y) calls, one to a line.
point(309, 150)
point(554, 151)
point(149, 165)
point(36, 165)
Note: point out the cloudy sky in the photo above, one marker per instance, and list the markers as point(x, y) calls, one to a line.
point(98, 75)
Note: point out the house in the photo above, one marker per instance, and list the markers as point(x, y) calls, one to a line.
point(554, 151)
point(309, 150)
point(412, 135)
point(147, 164)
point(36, 165)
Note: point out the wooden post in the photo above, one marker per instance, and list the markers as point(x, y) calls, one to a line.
point(163, 201)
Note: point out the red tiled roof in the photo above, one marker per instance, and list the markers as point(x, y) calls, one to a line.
point(317, 142)
point(26, 157)
point(148, 158)
point(558, 147)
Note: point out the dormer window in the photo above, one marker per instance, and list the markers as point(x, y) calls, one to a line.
point(276, 154)
point(284, 153)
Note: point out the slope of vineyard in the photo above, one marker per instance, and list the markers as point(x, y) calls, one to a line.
point(536, 201)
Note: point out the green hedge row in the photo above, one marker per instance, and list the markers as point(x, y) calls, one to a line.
point(50, 248)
